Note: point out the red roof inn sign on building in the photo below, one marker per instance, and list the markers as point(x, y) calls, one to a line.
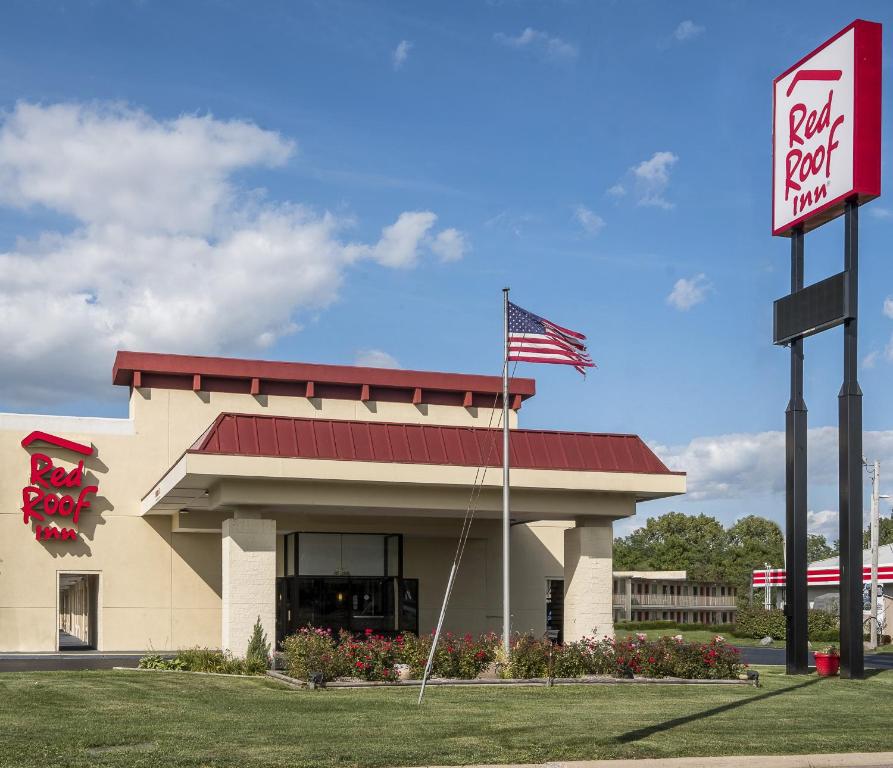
point(827, 130)
point(55, 491)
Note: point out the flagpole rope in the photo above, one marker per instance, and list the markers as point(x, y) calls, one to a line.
point(477, 486)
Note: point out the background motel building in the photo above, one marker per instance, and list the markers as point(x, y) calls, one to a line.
point(299, 493)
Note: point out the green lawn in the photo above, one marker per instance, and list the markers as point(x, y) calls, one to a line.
point(697, 636)
point(703, 636)
point(139, 719)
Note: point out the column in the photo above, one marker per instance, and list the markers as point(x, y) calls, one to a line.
point(629, 596)
point(249, 579)
point(588, 579)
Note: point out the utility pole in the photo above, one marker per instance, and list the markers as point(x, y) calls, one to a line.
point(875, 473)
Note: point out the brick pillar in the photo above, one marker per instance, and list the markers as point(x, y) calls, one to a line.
point(249, 579)
point(588, 579)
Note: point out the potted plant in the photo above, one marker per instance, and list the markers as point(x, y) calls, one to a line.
point(827, 662)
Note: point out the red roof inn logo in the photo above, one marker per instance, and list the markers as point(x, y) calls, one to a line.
point(827, 130)
point(52, 489)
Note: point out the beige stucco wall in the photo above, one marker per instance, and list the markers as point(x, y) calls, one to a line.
point(161, 588)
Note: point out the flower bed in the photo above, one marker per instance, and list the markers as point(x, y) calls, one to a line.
point(317, 654)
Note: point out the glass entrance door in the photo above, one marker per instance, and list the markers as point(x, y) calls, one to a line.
point(383, 605)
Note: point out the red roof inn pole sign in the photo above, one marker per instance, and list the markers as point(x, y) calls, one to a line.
point(55, 490)
point(827, 130)
point(826, 162)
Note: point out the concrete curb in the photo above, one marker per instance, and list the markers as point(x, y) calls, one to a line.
point(844, 760)
point(541, 682)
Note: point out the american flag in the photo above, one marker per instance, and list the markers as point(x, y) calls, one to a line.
point(533, 339)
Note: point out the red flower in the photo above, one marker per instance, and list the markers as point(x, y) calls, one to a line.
point(368, 632)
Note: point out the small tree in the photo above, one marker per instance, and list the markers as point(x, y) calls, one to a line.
point(257, 657)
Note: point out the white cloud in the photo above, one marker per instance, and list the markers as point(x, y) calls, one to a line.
point(546, 45)
point(870, 360)
point(400, 242)
point(618, 190)
point(687, 30)
point(589, 220)
point(823, 522)
point(113, 166)
point(688, 292)
point(167, 252)
point(450, 245)
point(375, 358)
point(750, 465)
point(888, 307)
point(401, 53)
point(652, 178)
point(880, 213)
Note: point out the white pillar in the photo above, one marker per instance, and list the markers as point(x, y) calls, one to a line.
point(588, 579)
point(249, 579)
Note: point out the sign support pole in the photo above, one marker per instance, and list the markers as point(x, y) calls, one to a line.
point(852, 657)
point(796, 602)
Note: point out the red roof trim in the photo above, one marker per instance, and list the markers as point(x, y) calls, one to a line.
point(228, 374)
point(392, 442)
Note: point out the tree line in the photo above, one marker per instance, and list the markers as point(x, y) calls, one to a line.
point(708, 551)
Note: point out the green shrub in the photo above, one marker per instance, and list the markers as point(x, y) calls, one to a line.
point(758, 622)
point(669, 657)
point(529, 657)
point(156, 661)
point(312, 651)
point(414, 653)
point(465, 657)
point(257, 656)
point(624, 625)
point(588, 657)
point(722, 629)
point(369, 657)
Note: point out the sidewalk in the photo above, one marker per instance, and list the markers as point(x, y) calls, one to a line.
point(847, 760)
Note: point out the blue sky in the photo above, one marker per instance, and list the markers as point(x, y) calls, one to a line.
point(380, 171)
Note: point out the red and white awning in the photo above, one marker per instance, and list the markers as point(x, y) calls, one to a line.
point(817, 576)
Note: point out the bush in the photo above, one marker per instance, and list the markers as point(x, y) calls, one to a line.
point(721, 629)
point(758, 622)
point(465, 657)
point(210, 660)
point(257, 656)
point(588, 657)
point(202, 660)
point(415, 654)
point(529, 657)
point(374, 657)
point(312, 651)
point(624, 625)
point(156, 661)
point(371, 657)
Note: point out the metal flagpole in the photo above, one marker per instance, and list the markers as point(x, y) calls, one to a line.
point(506, 614)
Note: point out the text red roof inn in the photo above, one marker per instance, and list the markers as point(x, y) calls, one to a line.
point(260, 377)
point(287, 437)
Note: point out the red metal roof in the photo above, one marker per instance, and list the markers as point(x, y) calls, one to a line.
point(251, 435)
point(264, 377)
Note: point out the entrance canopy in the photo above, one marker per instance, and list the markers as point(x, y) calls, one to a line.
point(271, 463)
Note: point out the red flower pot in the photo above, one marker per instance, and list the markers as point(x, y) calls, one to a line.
point(827, 664)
